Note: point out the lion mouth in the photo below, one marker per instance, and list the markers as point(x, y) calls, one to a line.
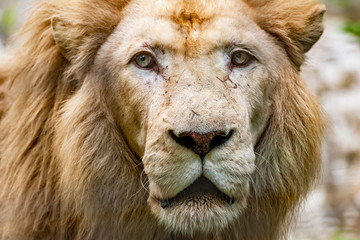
point(202, 190)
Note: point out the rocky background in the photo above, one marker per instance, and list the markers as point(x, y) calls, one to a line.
point(332, 212)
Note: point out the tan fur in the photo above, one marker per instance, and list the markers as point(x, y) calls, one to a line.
point(75, 157)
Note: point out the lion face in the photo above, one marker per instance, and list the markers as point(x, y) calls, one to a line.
point(196, 86)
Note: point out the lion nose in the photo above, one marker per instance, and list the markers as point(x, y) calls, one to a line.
point(201, 143)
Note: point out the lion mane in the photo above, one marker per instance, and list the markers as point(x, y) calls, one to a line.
point(96, 191)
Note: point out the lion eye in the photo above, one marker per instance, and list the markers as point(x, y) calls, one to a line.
point(241, 58)
point(144, 60)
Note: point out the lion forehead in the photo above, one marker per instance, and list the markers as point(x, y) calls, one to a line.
point(192, 29)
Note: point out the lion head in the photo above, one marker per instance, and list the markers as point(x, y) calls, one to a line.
point(159, 119)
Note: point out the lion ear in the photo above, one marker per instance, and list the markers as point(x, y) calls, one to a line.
point(297, 24)
point(306, 28)
point(310, 35)
point(66, 36)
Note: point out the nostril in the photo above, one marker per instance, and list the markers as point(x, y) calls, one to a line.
point(186, 141)
point(220, 139)
point(201, 143)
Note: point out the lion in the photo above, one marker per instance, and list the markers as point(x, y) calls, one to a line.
point(158, 119)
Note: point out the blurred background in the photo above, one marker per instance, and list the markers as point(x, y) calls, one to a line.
point(332, 71)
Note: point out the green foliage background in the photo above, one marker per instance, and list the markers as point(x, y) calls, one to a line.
point(352, 24)
point(340, 236)
point(8, 19)
point(353, 28)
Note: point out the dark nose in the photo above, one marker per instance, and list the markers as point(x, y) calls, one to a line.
point(201, 143)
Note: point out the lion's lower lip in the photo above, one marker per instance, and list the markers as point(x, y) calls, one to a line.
point(201, 188)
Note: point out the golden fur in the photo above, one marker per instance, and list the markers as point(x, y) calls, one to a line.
point(67, 171)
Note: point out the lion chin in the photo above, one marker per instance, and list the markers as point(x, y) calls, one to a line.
point(154, 119)
point(200, 208)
